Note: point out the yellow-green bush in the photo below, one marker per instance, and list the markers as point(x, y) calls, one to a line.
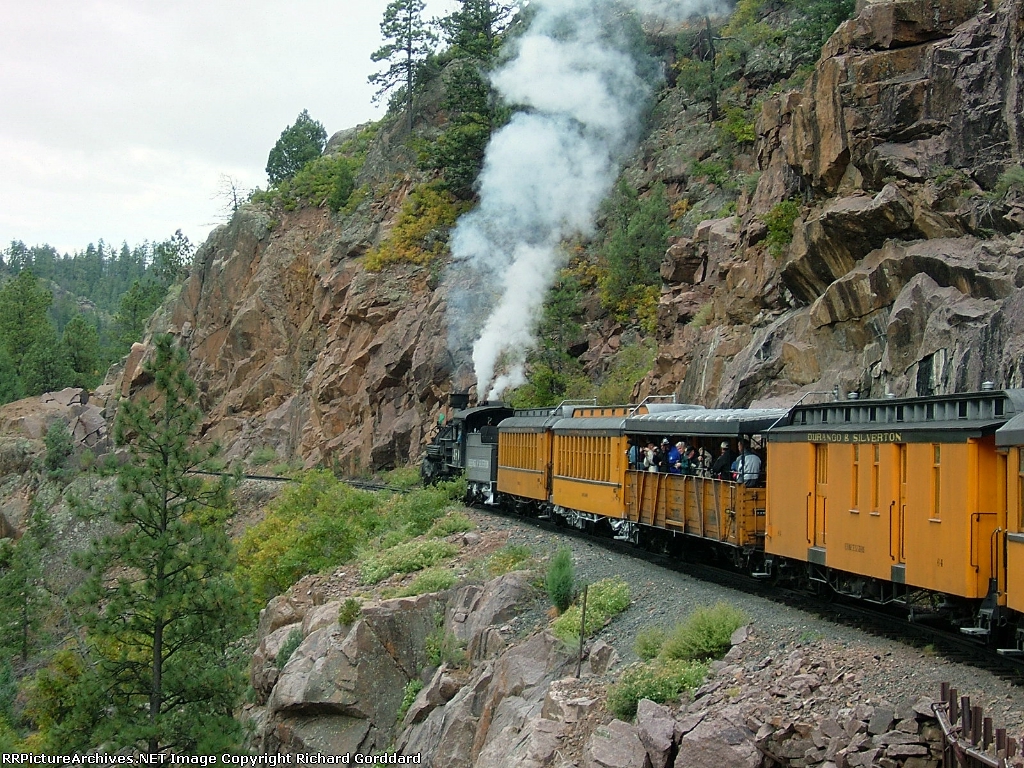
point(705, 634)
point(407, 557)
point(420, 233)
point(660, 681)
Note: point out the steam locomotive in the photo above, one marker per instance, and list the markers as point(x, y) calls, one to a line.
point(915, 503)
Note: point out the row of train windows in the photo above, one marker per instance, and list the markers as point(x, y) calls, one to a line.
point(519, 450)
point(943, 411)
point(588, 458)
point(872, 457)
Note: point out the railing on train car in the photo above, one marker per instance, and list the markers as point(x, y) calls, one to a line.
point(969, 739)
point(722, 510)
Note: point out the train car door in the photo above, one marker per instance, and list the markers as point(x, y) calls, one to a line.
point(898, 522)
point(820, 492)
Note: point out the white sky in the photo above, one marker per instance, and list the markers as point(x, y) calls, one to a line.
point(119, 118)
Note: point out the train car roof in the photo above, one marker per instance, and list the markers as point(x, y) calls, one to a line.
point(732, 422)
point(602, 426)
point(1011, 433)
point(466, 413)
point(936, 418)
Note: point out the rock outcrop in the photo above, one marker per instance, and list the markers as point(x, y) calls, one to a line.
point(902, 270)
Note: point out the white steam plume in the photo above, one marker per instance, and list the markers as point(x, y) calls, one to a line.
point(582, 88)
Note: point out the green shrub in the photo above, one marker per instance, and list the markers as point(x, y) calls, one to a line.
point(660, 681)
point(779, 221)
point(1012, 179)
point(412, 689)
point(444, 648)
point(59, 445)
point(705, 633)
point(405, 558)
point(428, 581)
point(630, 364)
point(703, 316)
point(314, 525)
point(263, 455)
point(605, 599)
point(349, 611)
point(293, 641)
point(421, 229)
point(649, 642)
point(403, 478)
point(560, 579)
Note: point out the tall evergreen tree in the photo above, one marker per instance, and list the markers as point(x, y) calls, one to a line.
point(23, 320)
point(299, 143)
point(81, 343)
point(408, 42)
point(162, 608)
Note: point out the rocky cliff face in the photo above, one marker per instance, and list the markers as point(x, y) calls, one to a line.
point(904, 274)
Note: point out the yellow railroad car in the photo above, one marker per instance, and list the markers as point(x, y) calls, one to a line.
point(524, 456)
point(882, 498)
point(716, 509)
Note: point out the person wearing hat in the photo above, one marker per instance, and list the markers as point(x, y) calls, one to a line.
point(661, 456)
point(722, 468)
point(675, 455)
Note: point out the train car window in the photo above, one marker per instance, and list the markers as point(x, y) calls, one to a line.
point(488, 434)
point(999, 407)
point(824, 415)
point(961, 409)
point(855, 496)
point(929, 411)
point(899, 413)
point(874, 477)
point(936, 481)
point(873, 414)
point(846, 414)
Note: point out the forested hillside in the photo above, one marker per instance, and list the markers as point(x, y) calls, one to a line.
point(65, 318)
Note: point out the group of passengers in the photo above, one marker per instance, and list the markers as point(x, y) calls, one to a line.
point(685, 457)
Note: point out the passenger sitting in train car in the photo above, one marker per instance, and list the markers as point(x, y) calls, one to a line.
point(721, 469)
point(703, 462)
point(747, 467)
point(675, 458)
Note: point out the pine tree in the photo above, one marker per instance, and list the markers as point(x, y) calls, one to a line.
point(409, 42)
point(81, 343)
point(23, 305)
point(299, 143)
point(162, 608)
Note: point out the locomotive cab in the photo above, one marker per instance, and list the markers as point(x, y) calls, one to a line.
point(468, 444)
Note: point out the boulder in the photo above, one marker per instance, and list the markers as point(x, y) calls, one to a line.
point(656, 728)
point(615, 745)
point(716, 741)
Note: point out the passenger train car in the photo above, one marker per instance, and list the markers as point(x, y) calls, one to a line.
point(916, 502)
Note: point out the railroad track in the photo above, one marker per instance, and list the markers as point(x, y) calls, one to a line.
point(835, 608)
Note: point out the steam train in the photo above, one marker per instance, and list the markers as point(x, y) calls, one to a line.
point(914, 503)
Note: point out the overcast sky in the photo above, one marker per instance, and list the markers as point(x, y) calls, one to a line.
point(119, 118)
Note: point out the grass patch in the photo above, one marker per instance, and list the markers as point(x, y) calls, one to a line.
point(605, 600)
point(407, 557)
point(704, 634)
point(349, 611)
point(512, 557)
point(403, 478)
point(453, 522)
point(427, 581)
point(444, 648)
point(660, 681)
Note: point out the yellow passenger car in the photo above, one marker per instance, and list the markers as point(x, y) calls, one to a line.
point(1010, 452)
point(720, 509)
point(882, 496)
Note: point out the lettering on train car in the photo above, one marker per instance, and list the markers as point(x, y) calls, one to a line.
point(855, 437)
point(854, 547)
point(478, 463)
